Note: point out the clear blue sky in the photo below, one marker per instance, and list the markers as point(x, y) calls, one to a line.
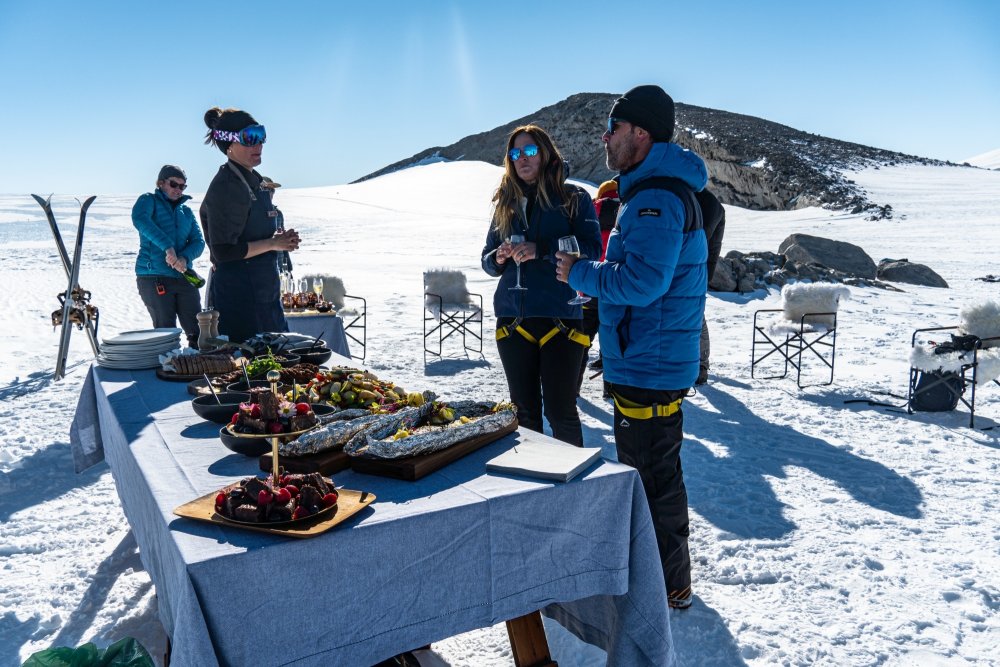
point(95, 96)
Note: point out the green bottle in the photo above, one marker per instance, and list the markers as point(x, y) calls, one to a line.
point(194, 278)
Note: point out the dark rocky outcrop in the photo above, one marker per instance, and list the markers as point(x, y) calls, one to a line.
point(800, 257)
point(837, 255)
point(753, 163)
point(905, 271)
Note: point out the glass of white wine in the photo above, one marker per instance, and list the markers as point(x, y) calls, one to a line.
point(318, 287)
point(514, 240)
point(570, 246)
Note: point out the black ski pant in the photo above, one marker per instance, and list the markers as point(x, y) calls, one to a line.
point(590, 326)
point(545, 374)
point(706, 348)
point(180, 301)
point(653, 447)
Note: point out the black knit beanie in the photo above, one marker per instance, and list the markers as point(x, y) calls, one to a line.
point(232, 120)
point(650, 108)
point(168, 170)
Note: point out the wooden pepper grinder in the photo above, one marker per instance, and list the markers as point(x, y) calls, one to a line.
point(205, 318)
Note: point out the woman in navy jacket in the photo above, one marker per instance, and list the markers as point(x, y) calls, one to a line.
point(169, 242)
point(538, 331)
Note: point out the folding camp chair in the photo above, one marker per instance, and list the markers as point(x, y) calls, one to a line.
point(352, 310)
point(803, 329)
point(450, 309)
point(962, 362)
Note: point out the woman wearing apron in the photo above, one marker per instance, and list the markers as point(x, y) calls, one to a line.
point(241, 230)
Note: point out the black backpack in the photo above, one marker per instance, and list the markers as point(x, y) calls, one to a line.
point(692, 208)
point(940, 391)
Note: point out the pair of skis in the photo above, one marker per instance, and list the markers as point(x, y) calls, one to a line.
point(73, 275)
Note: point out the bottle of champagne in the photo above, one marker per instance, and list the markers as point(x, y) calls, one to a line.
point(194, 278)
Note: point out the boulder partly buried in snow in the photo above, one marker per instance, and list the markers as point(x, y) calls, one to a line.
point(905, 271)
point(837, 255)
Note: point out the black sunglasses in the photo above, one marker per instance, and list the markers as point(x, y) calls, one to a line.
point(176, 185)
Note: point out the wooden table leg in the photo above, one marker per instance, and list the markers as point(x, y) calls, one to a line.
point(528, 642)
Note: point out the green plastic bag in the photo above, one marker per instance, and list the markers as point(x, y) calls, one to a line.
point(127, 652)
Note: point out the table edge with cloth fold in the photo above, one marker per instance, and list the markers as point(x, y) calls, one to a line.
point(458, 550)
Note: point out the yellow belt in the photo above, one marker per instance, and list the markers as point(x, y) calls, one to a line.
point(572, 334)
point(637, 411)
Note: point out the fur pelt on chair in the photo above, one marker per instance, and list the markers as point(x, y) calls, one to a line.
point(450, 285)
point(982, 320)
point(334, 292)
point(924, 358)
point(801, 298)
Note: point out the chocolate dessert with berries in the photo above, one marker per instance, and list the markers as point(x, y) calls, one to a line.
point(256, 500)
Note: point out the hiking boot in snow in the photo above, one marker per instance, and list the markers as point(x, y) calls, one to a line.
point(679, 602)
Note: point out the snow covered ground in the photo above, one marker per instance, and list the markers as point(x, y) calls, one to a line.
point(822, 532)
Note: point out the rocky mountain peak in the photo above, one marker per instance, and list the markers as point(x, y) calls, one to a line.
point(753, 163)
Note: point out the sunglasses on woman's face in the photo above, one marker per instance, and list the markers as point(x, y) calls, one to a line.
point(177, 186)
point(531, 150)
point(248, 136)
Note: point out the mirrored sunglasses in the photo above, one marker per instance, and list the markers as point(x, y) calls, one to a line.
point(178, 186)
point(531, 150)
point(248, 136)
point(613, 124)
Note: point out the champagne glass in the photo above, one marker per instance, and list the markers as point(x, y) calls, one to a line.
point(318, 287)
point(570, 246)
point(514, 240)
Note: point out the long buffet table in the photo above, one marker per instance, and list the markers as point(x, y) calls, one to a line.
point(458, 550)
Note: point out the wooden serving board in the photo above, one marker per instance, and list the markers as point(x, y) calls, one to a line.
point(413, 468)
point(349, 503)
point(325, 463)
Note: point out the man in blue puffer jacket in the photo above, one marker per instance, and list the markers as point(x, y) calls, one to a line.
point(651, 288)
point(170, 240)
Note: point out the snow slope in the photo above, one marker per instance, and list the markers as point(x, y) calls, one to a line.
point(987, 160)
point(822, 532)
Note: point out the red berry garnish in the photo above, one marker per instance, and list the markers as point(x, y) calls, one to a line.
point(292, 489)
point(264, 497)
point(282, 496)
point(300, 513)
point(236, 418)
point(302, 408)
point(276, 427)
point(255, 411)
point(220, 500)
point(329, 500)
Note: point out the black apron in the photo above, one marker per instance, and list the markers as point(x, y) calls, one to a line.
point(247, 292)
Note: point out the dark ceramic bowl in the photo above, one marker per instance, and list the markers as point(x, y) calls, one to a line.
point(318, 356)
point(242, 385)
point(255, 446)
point(322, 409)
point(287, 359)
point(244, 446)
point(206, 407)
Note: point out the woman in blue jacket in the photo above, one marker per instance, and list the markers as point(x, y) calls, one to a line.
point(169, 242)
point(538, 331)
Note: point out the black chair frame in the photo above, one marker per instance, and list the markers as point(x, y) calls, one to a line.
point(457, 319)
point(814, 339)
point(358, 324)
point(968, 374)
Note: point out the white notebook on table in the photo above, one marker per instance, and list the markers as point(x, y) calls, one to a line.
point(545, 460)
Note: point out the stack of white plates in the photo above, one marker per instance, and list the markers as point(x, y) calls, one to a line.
point(132, 350)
